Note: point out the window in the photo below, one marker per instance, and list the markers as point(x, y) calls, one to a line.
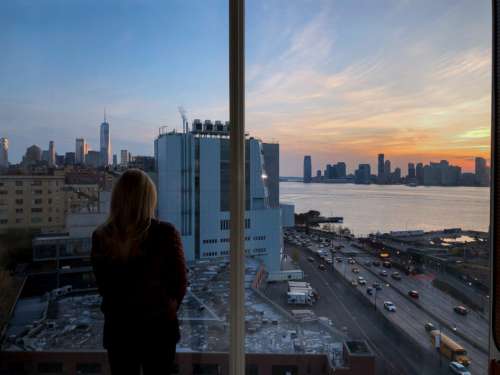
point(19, 201)
point(210, 241)
point(224, 224)
point(247, 223)
point(19, 210)
point(36, 220)
point(3, 192)
point(19, 221)
point(4, 221)
point(88, 368)
point(259, 238)
point(38, 192)
point(37, 201)
point(36, 210)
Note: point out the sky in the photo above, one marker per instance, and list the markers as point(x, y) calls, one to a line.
point(337, 80)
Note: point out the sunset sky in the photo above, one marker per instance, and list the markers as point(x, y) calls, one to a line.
point(339, 80)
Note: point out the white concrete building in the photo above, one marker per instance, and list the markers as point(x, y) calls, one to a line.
point(4, 153)
point(193, 193)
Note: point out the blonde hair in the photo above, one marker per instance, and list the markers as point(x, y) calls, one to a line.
point(133, 203)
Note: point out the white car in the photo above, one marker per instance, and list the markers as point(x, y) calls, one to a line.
point(458, 368)
point(389, 306)
point(361, 280)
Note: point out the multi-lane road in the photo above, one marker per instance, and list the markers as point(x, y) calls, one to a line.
point(402, 330)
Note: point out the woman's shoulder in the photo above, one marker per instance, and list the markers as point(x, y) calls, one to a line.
point(163, 228)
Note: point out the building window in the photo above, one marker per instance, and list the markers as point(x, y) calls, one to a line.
point(4, 221)
point(210, 241)
point(19, 201)
point(19, 183)
point(247, 223)
point(259, 250)
point(36, 210)
point(247, 238)
point(50, 368)
point(37, 201)
point(36, 220)
point(19, 210)
point(38, 192)
point(3, 192)
point(88, 368)
point(222, 240)
point(19, 221)
point(259, 238)
point(224, 225)
point(50, 200)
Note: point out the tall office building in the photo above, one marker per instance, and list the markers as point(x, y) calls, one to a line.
point(4, 153)
point(387, 170)
point(419, 172)
point(481, 172)
point(105, 158)
point(124, 158)
point(380, 169)
point(115, 161)
point(80, 151)
point(307, 169)
point(52, 154)
point(271, 152)
point(363, 174)
point(193, 182)
point(411, 171)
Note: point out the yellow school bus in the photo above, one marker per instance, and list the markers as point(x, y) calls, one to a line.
point(450, 348)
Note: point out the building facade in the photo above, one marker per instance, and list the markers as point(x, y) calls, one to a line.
point(105, 141)
point(193, 178)
point(307, 169)
point(80, 151)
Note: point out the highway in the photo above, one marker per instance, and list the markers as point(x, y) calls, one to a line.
point(412, 314)
point(349, 310)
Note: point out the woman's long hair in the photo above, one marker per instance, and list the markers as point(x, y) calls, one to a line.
point(133, 203)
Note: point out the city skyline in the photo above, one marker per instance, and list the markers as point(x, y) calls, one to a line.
point(328, 81)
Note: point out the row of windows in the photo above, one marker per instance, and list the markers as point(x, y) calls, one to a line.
point(34, 220)
point(224, 224)
point(226, 240)
point(226, 252)
point(210, 241)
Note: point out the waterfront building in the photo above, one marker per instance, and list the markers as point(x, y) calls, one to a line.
point(419, 173)
point(307, 169)
point(193, 181)
point(4, 153)
point(387, 171)
point(340, 170)
point(396, 176)
point(105, 142)
point(52, 154)
point(481, 172)
point(411, 172)
point(468, 179)
point(363, 174)
point(380, 169)
point(81, 150)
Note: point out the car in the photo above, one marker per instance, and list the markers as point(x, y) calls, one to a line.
point(429, 326)
point(458, 368)
point(387, 264)
point(389, 306)
point(376, 263)
point(368, 263)
point(310, 259)
point(396, 276)
point(383, 273)
point(460, 310)
point(377, 286)
point(352, 261)
point(369, 290)
point(413, 293)
point(322, 267)
point(355, 270)
point(361, 281)
point(338, 260)
point(354, 282)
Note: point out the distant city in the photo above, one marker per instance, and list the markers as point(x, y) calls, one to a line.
point(433, 174)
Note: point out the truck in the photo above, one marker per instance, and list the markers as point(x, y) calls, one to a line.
point(449, 348)
point(299, 298)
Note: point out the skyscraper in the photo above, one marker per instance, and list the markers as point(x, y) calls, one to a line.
point(307, 168)
point(4, 152)
point(411, 171)
point(481, 172)
point(419, 172)
point(387, 169)
point(105, 158)
point(362, 174)
point(124, 158)
point(52, 154)
point(80, 151)
point(380, 169)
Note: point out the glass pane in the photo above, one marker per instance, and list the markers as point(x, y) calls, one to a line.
point(381, 113)
point(89, 91)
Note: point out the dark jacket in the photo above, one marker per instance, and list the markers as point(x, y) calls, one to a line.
point(141, 295)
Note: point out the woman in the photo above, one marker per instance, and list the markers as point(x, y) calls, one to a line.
point(140, 272)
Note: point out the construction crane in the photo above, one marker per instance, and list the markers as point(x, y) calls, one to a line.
point(182, 112)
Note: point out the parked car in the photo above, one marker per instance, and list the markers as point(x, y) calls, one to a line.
point(377, 286)
point(322, 267)
point(310, 259)
point(376, 263)
point(429, 326)
point(389, 306)
point(460, 310)
point(355, 270)
point(396, 276)
point(369, 290)
point(387, 264)
point(354, 282)
point(457, 368)
point(383, 273)
point(413, 293)
point(361, 280)
point(352, 261)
